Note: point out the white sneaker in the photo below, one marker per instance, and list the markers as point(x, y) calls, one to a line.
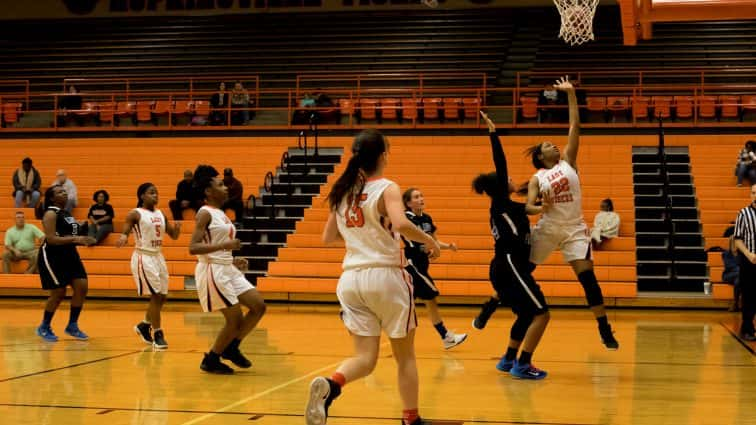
point(452, 340)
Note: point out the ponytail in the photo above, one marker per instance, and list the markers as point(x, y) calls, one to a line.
point(367, 148)
point(351, 178)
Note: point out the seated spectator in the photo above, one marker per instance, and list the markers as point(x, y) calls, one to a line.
point(219, 103)
point(100, 217)
point(26, 183)
point(20, 244)
point(549, 99)
point(235, 194)
point(746, 168)
point(185, 197)
point(68, 102)
point(308, 101)
point(606, 224)
point(240, 99)
point(62, 180)
point(731, 272)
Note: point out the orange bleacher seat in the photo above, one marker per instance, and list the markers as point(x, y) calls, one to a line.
point(430, 108)
point(640, 107)
point(346, 106)
point(707, 106)
point(683, 107)
point(106, 112)
point(88, 109)
point(596, 103)
point(389, 108)
point(202, 108)
point(662, 106)
point(182, 107)
point(729, 106)
point(368, 109)
point(11, 112)
point(125, 109)
point(529, 107)
point(409, 108)
point(471, 107)
point(617, 106)
point(144, 111)
point(452, 108)
point(162, 107)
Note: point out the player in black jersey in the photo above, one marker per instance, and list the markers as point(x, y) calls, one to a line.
point(60, 264)
point(418, 264)
point(511, 270)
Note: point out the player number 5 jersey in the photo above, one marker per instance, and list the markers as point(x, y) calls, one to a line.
point(149, 230)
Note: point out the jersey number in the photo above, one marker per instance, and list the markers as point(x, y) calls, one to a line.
point(157, 230)
point(354, 216)
point(561, 185)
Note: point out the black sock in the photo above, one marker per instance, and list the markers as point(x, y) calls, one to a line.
point(213, 356)
point(511, 354)
point(441, 329)
point(525, 358)
point(47, 318)
point(234, 345)
point(75, 312)
point(603, 322)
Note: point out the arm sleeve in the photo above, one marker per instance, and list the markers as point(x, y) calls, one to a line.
point(111, 211)
point(16, 181)
point(500, 161)
point(89, 213)
point(739, 227)
point(37, 181)
point(8, 241)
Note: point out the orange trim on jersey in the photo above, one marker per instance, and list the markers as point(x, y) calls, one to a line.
point(372, 179)
point(408, 281)
point(212, 281)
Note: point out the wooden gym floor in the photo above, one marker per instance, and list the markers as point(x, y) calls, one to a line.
point(673, 367)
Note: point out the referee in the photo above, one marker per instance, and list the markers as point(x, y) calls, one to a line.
point(745, 242)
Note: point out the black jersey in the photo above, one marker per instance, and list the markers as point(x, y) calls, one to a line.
point(415, 251)
point(509, 221)
point(65, 225)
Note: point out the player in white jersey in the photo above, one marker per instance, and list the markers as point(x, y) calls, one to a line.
point(147, 263)
point(374, 291)
point(561, 225)
point(221, 285)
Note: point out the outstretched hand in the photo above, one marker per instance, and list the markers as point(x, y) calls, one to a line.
point(489, 123)
point(564, 84)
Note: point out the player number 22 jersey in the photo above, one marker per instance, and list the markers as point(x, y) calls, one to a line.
point(560, 189)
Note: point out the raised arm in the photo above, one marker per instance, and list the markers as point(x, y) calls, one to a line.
point(499, 159)
point(132, 218)
point(198, 247)
point(573, 138)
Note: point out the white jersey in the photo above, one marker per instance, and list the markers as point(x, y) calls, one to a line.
point(368, 236)
point(219, 230)
point(148, 231)
point(560, 188)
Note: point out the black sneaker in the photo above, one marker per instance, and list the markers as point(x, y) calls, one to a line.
point(214, 365)
point(159, 341)
point(750, 337)
point(143, 330)
point(486, 311)
point(236, 357)
point(607, 337)
point(323, 392)
point(418, 421)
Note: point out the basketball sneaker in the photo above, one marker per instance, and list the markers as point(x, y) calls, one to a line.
point(607, 338)
point(235, 355)
point(73, 330)
point(527, 371)
point(748, 337)
point(159, 341)
point(46, 333)
point(213, 364)
point(486, 311)
point(418, 421)
point(452, 340)
point(323, 392)
point(504, 365)
point(143, 330)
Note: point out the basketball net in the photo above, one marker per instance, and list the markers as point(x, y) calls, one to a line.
point(431, 3)
point(577, 20)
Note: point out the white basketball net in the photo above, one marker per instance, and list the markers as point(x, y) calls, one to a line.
point(431, 3)
point(577, 20)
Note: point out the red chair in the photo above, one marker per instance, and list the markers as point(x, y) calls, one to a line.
point(729, 106)
point(748, 105)
point(11, 113)
point(202, 108)
point(346, 106)
point(529, 107)
point(389, 109)
point(368, 109)
point(683, 107)
point(707, 107)
point(409, 109)
point(452, 109)
point(471, 107)
point(431, 106)
point(640, 107)
point(88, 109)
point(596, 103)
point(125, 109)
point(662, 106)
point(162, 107)
point(107, 112)
point(144, 111)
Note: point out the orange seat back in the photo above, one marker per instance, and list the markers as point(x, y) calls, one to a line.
point(367, 108)
point(346, 106)
point(617, 103)
point(748, 102)
point(640, 106)
point(729, 106)
point(684, 106)
point(162, 107)
point(10, 112)
point(662, 106)
point(471, 106)
point(529, 106)
point(430, 107)
point(202, 108)
point(707, 106)
point(409, 108)
point(107, 110)
point(596, 103)
point(144, 110)
point(389, 108)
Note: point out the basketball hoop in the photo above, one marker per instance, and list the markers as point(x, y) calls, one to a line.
point(431, 3)
point(577, 20)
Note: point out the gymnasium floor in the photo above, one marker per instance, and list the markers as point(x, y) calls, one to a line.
point(673, 367)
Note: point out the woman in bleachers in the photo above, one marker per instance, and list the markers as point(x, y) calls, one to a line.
point(100, 216)
point(746, 168)
point(606, 224)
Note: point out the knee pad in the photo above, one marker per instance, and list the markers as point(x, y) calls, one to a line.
point(520, 327)
point(591, 288)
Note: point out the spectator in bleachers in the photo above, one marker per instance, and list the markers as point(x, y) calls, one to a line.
point(746, 168)
point(606, 224)
point(185, 197)
point(20, 244)
point(235, 199)
point(308, 101)
point(100, 217)
point(549, 99)
point(240, 99)
point(69, 101)
point(26, 183)
point(582, 98)
point(731, 272)
point(219, 103)
point(61, 179)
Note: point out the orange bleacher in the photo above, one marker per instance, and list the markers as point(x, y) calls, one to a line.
point(443, 167)
point(119, 166)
